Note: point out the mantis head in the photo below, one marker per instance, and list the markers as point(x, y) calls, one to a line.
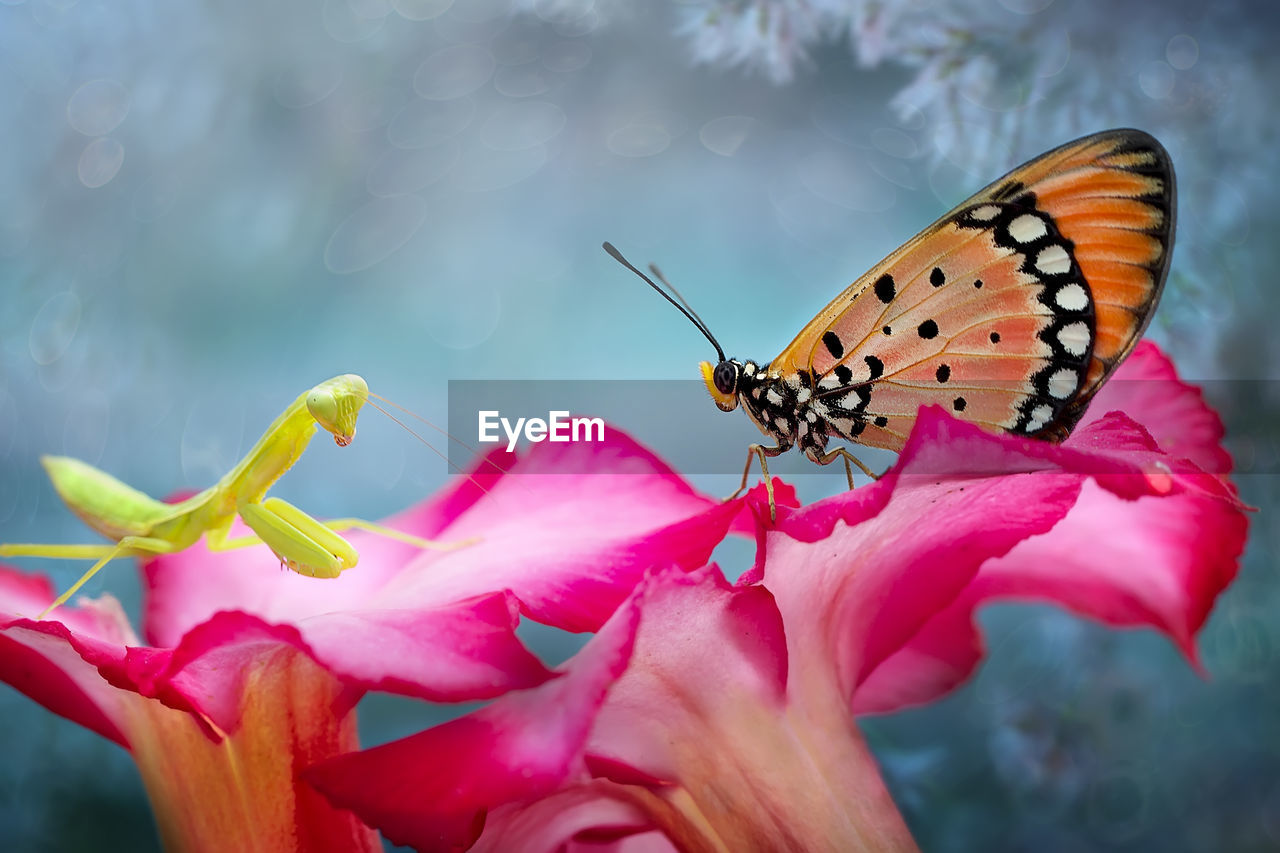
point(335, 404)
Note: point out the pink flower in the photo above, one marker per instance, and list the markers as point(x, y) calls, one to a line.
point(710, 716)
point(251, 673)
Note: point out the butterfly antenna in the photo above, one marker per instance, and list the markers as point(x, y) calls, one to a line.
point(657, 273)
point(686, 311)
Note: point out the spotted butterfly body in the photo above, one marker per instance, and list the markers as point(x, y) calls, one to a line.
point(1010, 311)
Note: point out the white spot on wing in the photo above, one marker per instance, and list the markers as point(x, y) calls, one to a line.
point(1062, 384)
point(1074, 338)
point(782, 423)
point(986, 213)
point(1040, 416)
point(828, 383)
point(850, 401)
point(749, 369)
point(773, 396)
point(802, 396)
point(1072, 298)
point(1027, 228)
point(1053, 260)
point(841, 425)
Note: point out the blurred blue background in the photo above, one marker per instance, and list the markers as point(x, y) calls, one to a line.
point(209, 207)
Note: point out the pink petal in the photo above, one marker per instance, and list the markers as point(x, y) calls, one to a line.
point(242, 791)
point(586, 521)
point(205, 676)
point(428, 518)
point(433, 789)
point(40, 660)
point(43, 672)
point(570, 528)
point(908, 545)
point(570, 562)
point(874, 585)
point(187, 588)
point(708, 731)
point(466, 651)
point(694, 721)
point(592, 813)
point(1157, 561)
point(1146, 387)
point(230, 784)
point(460, 651)
point(705, 652)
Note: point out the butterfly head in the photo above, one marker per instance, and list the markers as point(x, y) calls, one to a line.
point(722, 382)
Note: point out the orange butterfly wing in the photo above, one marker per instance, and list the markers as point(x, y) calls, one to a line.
point(1012, 309)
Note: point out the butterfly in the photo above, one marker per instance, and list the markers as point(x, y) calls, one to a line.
point(1010, 311)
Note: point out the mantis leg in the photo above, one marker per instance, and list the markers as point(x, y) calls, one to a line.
point(63, 552)
point(829, 456)
point(398, 535)
point(106, 553)
point(305, 545)
point(759, 450)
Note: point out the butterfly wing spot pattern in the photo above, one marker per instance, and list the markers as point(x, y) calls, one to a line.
point(1010, 311)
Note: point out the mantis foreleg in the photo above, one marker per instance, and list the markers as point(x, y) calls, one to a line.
point(305, 545)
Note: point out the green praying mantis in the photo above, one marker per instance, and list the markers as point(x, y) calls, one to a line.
point(142, 525)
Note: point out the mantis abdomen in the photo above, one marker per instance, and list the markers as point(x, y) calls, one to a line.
point(112, 508)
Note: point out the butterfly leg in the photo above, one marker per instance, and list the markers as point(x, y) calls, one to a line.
point(829, 456)
point(761, 451)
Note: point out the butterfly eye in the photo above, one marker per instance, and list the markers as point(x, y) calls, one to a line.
point(722, 382)
point(726, 377)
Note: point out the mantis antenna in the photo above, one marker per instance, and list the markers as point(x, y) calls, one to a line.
point(438, 429)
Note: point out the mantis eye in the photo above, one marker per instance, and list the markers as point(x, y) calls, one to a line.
point(323, 406)
point(336, 404)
